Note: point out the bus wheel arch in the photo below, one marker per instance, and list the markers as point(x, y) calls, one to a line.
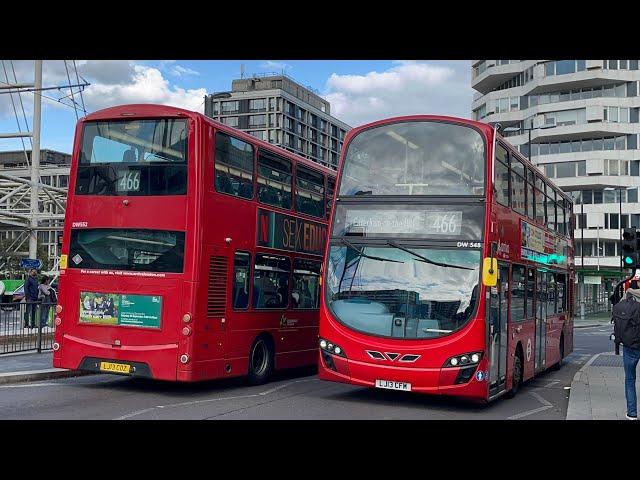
point(262, 356)
point(517, 371)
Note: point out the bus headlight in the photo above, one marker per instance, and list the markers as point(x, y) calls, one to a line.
point(58, 308)
point(464, 360)
point(186, 331)
point(331, 348)
point(56, 346)
point(58, 321)
point(184, 358)
point(186, 318)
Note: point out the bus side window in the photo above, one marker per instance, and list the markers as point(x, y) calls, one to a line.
point(540, 203)
point(518, 292)
point(551, 293)
point(241, 268)
point(233, 166)
point(271, 281)
point(502, 189)
point(309, 192)
point(561, 304)
point(551, 208)
point(518, 186)
point(306, 284)
point(530, 195)
point(274, 180)
point(531, 286)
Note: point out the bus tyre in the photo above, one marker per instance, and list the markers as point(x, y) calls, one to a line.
point(261, 360)
point(557, 366)
point(517, 374)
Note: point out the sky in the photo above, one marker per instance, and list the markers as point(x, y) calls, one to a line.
point(360, 91)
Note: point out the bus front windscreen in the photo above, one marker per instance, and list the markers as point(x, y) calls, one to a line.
point(133, 157)
point(415, 158)
point(127, 249)
point(403, 292)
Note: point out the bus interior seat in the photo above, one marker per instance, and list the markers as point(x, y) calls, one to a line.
point(223, 184)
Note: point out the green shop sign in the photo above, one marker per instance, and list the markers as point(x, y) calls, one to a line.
point(122, 310)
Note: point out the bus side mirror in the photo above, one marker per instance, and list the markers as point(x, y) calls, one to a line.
point(490, 272)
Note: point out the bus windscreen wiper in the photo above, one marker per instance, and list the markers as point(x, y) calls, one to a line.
point(363, 192)
point(362, 254)
point(425, 259)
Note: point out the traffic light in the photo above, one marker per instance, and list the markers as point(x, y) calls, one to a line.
point(630, 247)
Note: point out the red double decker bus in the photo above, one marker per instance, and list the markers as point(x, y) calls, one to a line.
point(449, 268)
point(191, 250)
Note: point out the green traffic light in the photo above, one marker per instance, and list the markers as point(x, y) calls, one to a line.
point(628, 260)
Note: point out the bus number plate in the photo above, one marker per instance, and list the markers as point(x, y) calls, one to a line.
point(391, 385)
point(115, 367)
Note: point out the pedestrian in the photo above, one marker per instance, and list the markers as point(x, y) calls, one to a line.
point(627, 332)
point(31, 293)
point(45, 297)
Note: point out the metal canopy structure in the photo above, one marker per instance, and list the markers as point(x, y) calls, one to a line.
point(29, 205)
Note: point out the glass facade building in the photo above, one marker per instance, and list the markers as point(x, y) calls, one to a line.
point(583, 116)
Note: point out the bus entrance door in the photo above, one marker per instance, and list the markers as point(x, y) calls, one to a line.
point(541, 315)
point(498, 332)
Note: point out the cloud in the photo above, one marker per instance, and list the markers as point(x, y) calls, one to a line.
point(180, 71)
point(277, 66)
point(146, 86)
point(408, 87)
point(112, 82)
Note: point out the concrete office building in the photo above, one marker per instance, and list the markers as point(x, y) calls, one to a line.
point(277, 109)
point(583, 116)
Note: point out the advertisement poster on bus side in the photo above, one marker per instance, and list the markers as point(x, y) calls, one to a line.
point(121, 310)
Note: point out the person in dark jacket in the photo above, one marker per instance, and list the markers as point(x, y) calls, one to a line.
point(630, 358)
point(31, 292)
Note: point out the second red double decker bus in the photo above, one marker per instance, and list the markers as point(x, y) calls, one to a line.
point(191, 250)
point(449, 268)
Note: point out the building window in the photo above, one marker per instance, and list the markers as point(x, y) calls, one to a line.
point(231, 121)
point(257, 105)
point(230, 107)
point(257, 120)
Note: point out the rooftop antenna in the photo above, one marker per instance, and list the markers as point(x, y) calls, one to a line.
point(242, 70)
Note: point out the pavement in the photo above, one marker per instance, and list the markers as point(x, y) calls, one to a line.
point(592, 320)
point(30, 367)
point(597, 390)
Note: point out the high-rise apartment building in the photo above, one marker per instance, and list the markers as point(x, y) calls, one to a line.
point(276, 109)
point(582, 116)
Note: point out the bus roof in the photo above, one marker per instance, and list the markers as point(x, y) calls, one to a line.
point(483, 127)
point(148, 110)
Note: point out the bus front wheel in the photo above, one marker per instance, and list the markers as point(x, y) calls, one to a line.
point(261, 360)
point(557, 366)
point(517, 374)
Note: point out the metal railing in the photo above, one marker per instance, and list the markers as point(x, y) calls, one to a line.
point(26, 326)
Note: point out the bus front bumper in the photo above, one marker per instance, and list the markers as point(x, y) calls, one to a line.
point(471, 383)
